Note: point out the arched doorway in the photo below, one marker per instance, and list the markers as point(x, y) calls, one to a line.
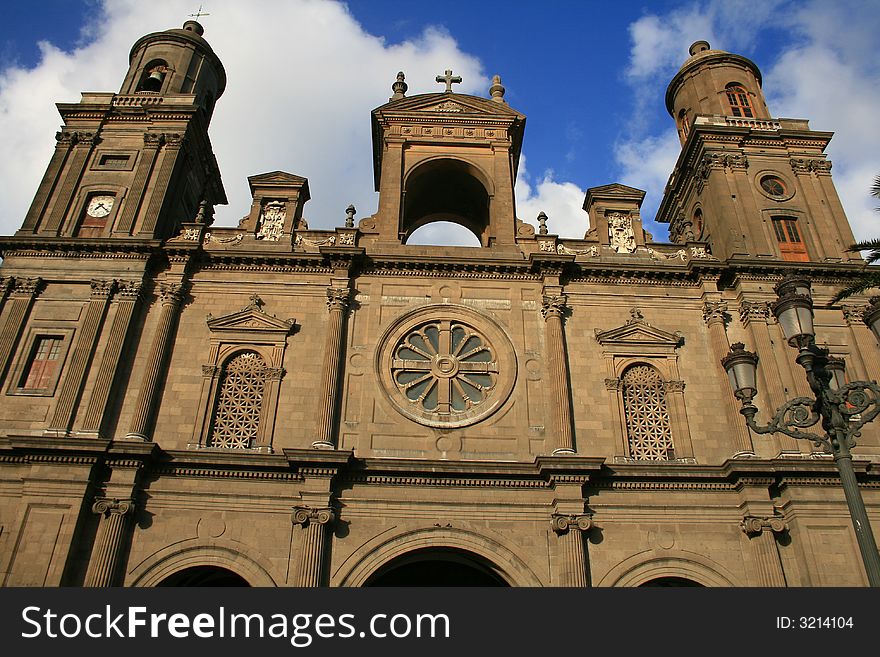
point(204, 576)
point(437, 567)
point(671, 581)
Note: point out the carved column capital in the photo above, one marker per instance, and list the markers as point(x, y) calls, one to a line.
point(128, 290)
point(171, 294)
point(274, 373)
point(714, 312)
point(338, 298)
point(106, 506)
point(612, 384)
point(554, 305)
point(102, 289)
point(755, 311)
point(854, 314)
point(754, 525)
point(562, 522)
point(26, 287)
point(307, 515)
point(210, 371)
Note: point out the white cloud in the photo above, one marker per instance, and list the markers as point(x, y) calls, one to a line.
point(562, 202)
point(297, 100)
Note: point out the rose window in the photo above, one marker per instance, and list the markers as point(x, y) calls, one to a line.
point(445, 367)
point(446, 372)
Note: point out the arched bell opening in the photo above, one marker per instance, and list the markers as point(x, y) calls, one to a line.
point(437, 567)
point(446, 190)
point(204, 576)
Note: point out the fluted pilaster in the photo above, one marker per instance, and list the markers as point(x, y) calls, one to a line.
point(75, 376)
point(553, 309)
point(338, 299)
point(82, 148)
point(171, 295)
point(24, 290)
point(715, 315)
point(128, 293)
point(152, 143)
point(315, 526)
point(107, 551)
point(173, 144)
point(571, 529)
point(762, 537)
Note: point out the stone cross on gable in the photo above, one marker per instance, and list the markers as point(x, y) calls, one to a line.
point(449, 79)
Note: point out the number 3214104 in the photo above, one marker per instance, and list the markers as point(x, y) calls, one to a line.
point(814, 622)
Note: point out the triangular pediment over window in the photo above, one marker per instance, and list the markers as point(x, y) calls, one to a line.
point(639, 336)
point(251, 319)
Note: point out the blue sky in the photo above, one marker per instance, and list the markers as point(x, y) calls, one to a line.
point(590, 77)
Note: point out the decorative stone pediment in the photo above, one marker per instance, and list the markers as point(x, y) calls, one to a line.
point(276, 177)
point(450, 103)
point(252, 320)
point(637, 336)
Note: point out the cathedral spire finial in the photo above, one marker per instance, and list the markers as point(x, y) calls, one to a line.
point(449, 79)
point(497, 90)
point(399, 87)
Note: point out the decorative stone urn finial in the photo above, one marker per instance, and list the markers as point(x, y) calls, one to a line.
point(399, 87)
point(497, 90)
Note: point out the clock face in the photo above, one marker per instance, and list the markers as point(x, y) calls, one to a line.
point(100, 206)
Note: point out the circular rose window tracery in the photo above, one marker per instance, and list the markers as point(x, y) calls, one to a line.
point(446, 371)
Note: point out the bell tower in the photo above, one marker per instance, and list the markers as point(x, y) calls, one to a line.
point(137, 163)
point(446, 157)
point(751, 185)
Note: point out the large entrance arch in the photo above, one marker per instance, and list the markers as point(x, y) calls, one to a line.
point(204, 576)
point(435, 548)
point(437, 567)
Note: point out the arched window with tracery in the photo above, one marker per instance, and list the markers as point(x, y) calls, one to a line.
point(648, 426)
point(239, 405)
point(739, 101)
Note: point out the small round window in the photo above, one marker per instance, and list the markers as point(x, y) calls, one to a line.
point(774, 187)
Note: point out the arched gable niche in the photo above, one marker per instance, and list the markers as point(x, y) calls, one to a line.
point(446, 189)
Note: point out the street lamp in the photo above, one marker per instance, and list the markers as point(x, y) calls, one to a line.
point(843, 408)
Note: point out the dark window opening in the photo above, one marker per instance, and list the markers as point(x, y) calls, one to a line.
point(43, 363)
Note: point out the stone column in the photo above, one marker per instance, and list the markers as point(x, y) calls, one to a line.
point(315, 525)
point(152, 143)
point(128, 293)
point(64, 143)
point(338, 299)
point(755, 316)
point(553, 309)
point(6, 283)
point(171, 296)
point(860, 366)
point(75, 376)
point(109, 542)
point(762, 536)
point(82, 148)
point(715, 316)
point(24, 290)
point(159, 193)
point(571, 529)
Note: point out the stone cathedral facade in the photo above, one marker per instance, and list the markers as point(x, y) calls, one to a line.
point(273, 405)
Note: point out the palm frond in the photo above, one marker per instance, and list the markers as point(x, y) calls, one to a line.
point(872, 246)
point(875, 188)
point(866, 282)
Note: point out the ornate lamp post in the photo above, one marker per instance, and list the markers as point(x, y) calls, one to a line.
point(843, 408)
